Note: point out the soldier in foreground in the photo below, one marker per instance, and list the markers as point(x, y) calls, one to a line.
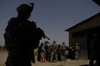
point(21, 37)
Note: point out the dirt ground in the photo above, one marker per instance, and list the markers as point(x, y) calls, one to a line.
point(80, 62)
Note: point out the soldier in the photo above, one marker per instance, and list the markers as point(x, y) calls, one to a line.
point(63, 50)
point(77, 51)
point(21, 37)
point(95, 50)
point(54, 50)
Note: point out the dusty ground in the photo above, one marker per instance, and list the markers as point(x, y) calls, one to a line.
point(81, 62)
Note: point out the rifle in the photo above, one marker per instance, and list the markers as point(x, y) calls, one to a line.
point(47, 37)
point(44, 36)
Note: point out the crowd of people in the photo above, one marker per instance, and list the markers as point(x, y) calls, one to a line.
point(57, 52)
point(22, 36)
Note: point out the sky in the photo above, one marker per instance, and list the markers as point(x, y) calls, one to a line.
point(53, 16)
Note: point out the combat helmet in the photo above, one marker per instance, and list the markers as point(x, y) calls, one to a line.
point(24, 8)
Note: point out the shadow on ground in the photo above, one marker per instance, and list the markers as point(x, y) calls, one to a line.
point(84, 65)
point(87, 65)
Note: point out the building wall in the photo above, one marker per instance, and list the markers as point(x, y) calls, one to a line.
point(81, 39)
point(82, 33)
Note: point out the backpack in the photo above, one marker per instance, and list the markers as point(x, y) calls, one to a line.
point(8, 35)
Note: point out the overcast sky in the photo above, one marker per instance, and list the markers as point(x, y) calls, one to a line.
point(53, 16)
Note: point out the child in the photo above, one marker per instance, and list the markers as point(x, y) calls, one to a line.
point(42, 57)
